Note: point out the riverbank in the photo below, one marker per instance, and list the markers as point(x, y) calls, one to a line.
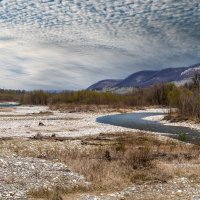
point(66, 154)
point(162, 119)
point(112, 166)
point(29, 121)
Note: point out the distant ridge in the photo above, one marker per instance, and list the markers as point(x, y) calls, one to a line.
point(148, 78)
point(104, 84)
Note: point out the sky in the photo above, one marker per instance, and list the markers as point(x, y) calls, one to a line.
point(70, 44)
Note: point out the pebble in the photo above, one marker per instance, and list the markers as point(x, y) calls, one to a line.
point(168, 191)
point(19, 175)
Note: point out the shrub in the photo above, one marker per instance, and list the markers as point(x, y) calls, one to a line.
point(183, 137)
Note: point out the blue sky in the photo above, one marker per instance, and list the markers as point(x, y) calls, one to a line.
point(57, 44)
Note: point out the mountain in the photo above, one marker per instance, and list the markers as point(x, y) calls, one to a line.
point(104, 84)
point(136, 79)
point(148, 78)
point(164, 76)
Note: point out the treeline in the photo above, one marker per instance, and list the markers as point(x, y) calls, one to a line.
point(187, 101)
point(156, 95)
point(185, 98)
point(11, 95)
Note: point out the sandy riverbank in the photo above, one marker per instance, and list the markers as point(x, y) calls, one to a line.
point(23, 121)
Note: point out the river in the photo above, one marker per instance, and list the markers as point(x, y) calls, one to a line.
point(136, 121)
point(9, 104)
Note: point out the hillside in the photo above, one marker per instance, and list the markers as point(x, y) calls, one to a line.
point(147, 78)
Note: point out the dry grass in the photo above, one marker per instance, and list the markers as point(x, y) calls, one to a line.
point(4, 109)
point(91, 108)
point(40, 114)
point(175, 116)
point(114, 161)
point(56, 193)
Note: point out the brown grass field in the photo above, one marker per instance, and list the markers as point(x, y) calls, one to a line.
point(111, 161)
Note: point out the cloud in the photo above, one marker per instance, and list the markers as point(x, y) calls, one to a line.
point(32, 66)
point(63, 44)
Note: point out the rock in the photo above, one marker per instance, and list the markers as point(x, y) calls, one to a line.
point(41, 124)
point(38, 136)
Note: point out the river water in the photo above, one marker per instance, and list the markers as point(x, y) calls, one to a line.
point(8, 104)
point(136, 121)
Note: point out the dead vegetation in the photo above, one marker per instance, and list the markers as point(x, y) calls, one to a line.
point(113, 161)
point(56, 193)
point(174, 116)
point(74, 108)
point(40, 114)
